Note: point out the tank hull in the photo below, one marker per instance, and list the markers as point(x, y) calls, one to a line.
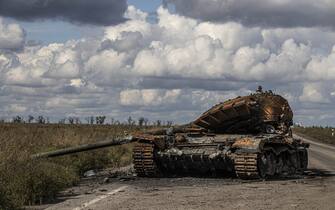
point(246, 157)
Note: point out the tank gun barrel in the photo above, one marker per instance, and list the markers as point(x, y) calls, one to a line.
point(84, 147)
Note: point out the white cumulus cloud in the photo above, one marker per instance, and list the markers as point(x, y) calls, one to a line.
point(12, 36)
point(148, 97)
point(178, 65)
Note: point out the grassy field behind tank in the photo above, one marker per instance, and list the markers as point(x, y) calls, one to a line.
point(321, 134)
point(24, 181)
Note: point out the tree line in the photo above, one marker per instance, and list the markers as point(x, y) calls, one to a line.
point(91, 120)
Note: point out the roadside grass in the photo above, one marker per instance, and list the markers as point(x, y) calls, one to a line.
point(321, 134)
point(24, 181)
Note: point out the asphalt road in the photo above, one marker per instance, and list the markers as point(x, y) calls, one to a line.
point(313, 191)
point(321, 156)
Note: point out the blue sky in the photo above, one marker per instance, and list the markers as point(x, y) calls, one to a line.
point(146, 5)
point(51, 31)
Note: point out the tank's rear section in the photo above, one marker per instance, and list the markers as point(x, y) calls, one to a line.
point(247, 137)
point(269, 155)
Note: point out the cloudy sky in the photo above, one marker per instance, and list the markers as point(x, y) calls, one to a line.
point(169, 59)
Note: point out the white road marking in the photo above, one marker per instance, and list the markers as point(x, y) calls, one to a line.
point(87, 204)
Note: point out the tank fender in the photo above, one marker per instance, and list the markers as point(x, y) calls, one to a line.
point(158, 141)
point(248, 144)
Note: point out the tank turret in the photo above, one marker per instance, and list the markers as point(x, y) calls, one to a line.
point(258, 112)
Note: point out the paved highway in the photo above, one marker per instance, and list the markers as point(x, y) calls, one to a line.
point(321, 156)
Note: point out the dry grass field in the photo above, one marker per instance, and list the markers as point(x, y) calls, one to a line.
point(25, 181)
point(321, 134)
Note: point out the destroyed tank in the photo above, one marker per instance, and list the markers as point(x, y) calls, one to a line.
point(248, 137)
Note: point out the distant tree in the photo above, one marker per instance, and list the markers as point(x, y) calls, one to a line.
point(169, 123)
point(146, 121)
point(30, 119)
point(87, 119)
point(62, 121)
point(130, 121)
point(112, 121)
point(71, 120)
point(100, 120)
point(158, 123)
point(141, 121)
point(40, 119)
point(2, 120)
point(77, 120)
point(18, 119)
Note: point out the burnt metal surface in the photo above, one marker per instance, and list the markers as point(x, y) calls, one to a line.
point(260, 111)
point(247, 156)
point(85, 147)
point(144, 159)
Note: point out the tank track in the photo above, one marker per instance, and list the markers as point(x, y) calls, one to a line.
point(250, 165)
point(144, 160)
point(245, 165)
